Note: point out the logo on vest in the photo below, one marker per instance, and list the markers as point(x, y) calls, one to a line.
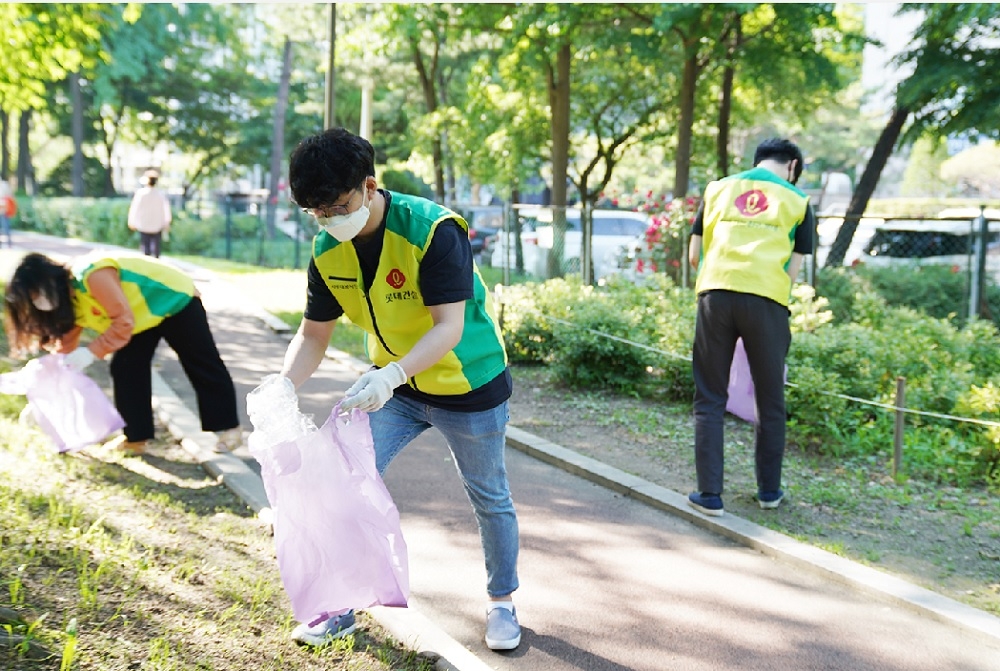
point(395, 278)
point(96, 311)
point(751, 203)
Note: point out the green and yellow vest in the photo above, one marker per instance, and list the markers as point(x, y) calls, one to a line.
point(749, 224)
point(393, 314)
point(153, 289)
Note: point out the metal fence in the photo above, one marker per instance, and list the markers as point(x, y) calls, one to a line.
point(536, 244)
point(967, 246)
point(234, 227)
point(540, 243)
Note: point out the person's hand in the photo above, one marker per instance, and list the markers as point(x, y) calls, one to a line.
point(79, 358)
point(374, 388)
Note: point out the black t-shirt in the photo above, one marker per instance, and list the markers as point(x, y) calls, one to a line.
point(445, 277)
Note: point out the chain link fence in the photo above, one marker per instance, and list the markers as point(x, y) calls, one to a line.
point(234, 226)
point(540, 243)
point(967, 245)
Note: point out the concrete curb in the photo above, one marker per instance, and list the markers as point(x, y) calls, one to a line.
point(771, 543)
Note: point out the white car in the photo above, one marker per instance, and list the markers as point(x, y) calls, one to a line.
point(939, 242)
point(613, 230)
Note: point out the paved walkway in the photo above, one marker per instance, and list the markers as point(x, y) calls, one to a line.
point(616, 573)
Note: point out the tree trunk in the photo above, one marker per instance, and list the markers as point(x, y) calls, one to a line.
point(726, 101)
point(330, 107)
point(77, 128)
point(559, 99)
point(4, 147)
point(682, 164)
point(427, 76)
point(278, 138)
point(866, 185)
point(25, 171)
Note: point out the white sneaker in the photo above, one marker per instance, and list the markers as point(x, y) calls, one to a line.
point(229, 440)
point(326, 631)
point(502, 630)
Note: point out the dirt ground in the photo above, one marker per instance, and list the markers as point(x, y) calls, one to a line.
point(945, 540)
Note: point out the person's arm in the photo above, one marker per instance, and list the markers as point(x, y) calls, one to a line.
point(803, 244)
point(449, 322)
point(375, 388)
point(794, 264)
point(70, 340)
point(133, 213)
point(167, 217)
point(106, 288)
point(306, 350)
point(694, 251)
point(697, 228)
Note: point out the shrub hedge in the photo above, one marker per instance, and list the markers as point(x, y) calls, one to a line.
point(637, 339)
point(240, 238)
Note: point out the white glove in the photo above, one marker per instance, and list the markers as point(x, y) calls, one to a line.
point(374, 388)
point(79, 358)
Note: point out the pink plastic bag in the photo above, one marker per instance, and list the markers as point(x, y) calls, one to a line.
point(336, 528)
point(742, 401)
point(67, 404)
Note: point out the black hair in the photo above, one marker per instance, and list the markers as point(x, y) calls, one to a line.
point(324, 167)
point(781, 150)
point(27, 326)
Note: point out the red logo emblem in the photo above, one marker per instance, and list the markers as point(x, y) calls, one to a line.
point(395, 278)
point(95, 311)
point(751, 203)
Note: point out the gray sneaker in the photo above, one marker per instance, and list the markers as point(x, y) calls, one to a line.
point(327, 631)
point(502, 630)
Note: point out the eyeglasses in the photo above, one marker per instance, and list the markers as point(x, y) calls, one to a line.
point(331, 210)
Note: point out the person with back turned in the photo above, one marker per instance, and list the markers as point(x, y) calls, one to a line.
point(747, 243)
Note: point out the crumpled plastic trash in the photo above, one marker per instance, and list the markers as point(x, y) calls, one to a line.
point(336, 528)
point(67, 405)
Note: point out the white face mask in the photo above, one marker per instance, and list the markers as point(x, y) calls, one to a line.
point(42, 303)
point(345, 227)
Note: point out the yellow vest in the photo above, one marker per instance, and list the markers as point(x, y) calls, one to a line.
point(749, 224)
point(393, 313)
point(153, 289)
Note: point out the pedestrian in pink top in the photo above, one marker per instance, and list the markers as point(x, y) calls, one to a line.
point(149, 214)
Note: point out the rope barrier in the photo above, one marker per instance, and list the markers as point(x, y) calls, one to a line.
point(863, 401)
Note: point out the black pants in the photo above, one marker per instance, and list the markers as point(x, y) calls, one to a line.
point(724, 316)
point(188, 334)
point(150, 243)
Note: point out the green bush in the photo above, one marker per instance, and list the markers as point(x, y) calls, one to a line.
point(529, 314)
point(935, 290)
point(565, 324)
point(585, 357)
point(60, 181)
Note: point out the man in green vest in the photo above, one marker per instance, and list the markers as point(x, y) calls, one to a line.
point(747, 243)
point(401, 268)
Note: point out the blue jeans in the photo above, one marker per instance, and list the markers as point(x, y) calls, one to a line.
point(476, 441)
point(5, 229)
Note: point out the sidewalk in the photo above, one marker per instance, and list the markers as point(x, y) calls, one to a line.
point(616, 573)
